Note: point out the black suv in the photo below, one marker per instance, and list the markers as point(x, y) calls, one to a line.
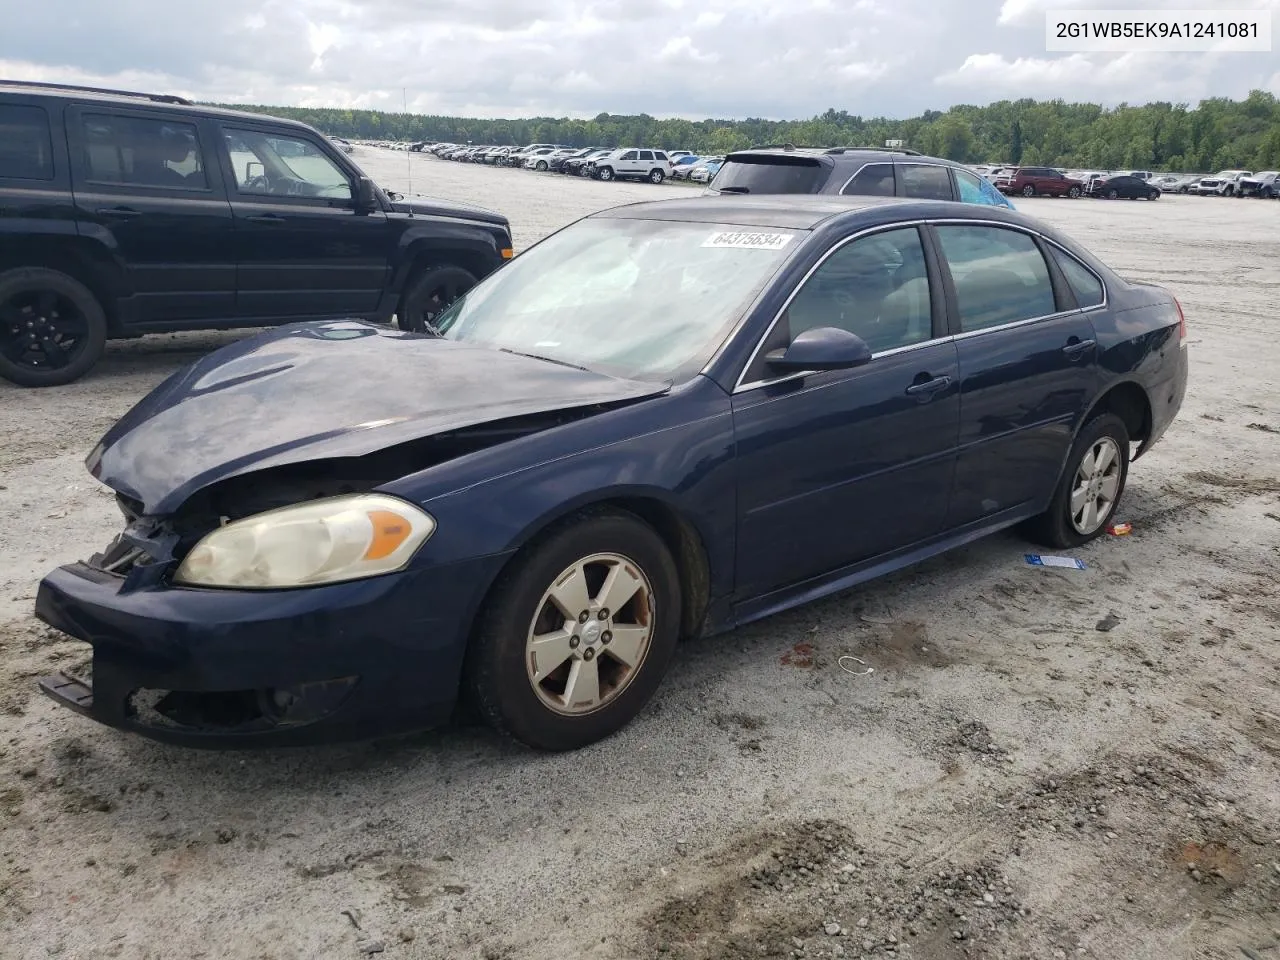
point(127, 213)
point(859, 171)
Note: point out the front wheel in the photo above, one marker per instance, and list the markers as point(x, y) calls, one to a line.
point(1090, 488)
point(1112, 194)
point(656, 176)
point(574, 639)
point(1073, 193)
point(1154, 195)
point(541, 166)
point(52, 327)
point(604, 173)
point(429, 295)
point(1028, 191)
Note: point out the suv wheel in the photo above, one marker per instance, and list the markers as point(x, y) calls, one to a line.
point(52, 328)
point(429, 294)
point(1028, 191)
point(604, 173)
point(1073, 193)
point(656, 175)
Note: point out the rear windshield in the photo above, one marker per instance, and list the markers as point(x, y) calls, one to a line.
point(772, 175)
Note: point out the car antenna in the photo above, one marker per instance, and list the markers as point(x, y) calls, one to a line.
point(408, 158)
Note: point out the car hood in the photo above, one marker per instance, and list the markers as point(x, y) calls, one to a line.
point(342, 388)
point(437, 207)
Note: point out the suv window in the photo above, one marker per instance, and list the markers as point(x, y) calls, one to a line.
point(26, 149)
point(773, 174)
point(646, 155)
point(140, 151)
point(1000, 276)
point(1086, 287)
point(925, 181)
point(272, 165)
point(875, 286)
point(658, 154)
point(873, 180)
point(630, 155)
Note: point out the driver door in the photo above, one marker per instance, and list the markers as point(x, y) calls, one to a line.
point(302, 249)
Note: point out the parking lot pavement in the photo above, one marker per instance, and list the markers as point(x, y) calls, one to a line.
point(1045, 763)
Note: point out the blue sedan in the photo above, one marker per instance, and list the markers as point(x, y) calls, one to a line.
point(667, 419)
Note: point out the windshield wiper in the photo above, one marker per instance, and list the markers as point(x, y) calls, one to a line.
point(734, 189)
point(537, 356)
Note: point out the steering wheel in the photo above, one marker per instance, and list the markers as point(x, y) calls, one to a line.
point(258, 184)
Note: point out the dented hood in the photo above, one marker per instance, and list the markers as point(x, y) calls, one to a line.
point(318, 391)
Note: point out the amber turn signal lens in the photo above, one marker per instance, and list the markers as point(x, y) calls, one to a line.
point(389, 531)
point(507, 253)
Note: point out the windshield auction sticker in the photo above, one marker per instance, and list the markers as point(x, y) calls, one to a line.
point(748, 241)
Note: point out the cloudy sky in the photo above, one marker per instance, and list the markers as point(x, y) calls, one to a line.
point(691, 58)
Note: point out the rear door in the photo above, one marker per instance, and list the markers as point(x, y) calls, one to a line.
point(148, 187)
point(302, 248)
point(1028, 365)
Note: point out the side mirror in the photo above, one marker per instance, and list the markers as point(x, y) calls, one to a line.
point(254, 170)
point(822, 348)
point(366, 195)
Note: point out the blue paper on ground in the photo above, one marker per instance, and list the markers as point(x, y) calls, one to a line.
point(1036, 560)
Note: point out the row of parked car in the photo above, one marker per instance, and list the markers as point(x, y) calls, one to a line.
point(620, 163)
point(1129, 184)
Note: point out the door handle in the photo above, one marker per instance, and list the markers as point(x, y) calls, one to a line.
point(1078, 347)
point(122, 213)
point(929, 387)
point(265, 218)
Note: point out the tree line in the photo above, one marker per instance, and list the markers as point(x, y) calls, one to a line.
point(1216, 134)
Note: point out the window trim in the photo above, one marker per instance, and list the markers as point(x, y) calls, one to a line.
point(931, 251)
point(81, 142)
point(741, 387)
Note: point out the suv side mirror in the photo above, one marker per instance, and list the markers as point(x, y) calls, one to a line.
point(822, 348)
point(366, 196)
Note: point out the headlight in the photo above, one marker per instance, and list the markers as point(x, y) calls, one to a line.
point(323, 541)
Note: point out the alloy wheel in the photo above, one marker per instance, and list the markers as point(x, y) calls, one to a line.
point(1096, 486)
point(590, 634)
point(42, 330)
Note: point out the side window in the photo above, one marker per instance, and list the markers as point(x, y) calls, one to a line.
point(659, 155)
point(140, 151)
point(646, 155)
point(275, 166)
point(970, 187)
point(26, 149)
point(629, 155)
point(1086, 287)
point(873, 180)
point(1000, 276)
point(925, 181)
point(875, 286)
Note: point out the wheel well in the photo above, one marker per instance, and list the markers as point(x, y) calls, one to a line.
point(476, 263)
point(1129, 402)
point(74, 257)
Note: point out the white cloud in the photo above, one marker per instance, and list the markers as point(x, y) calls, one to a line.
point(580, 57)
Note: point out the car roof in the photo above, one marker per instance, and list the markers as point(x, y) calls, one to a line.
point(804, 211)
point(122, 98)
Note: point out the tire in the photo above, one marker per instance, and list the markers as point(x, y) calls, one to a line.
point(1154, 195)
point(1073, 193)
point(63, 316)
point(1112, 194)
point(429, 293)
point(1228, 192)
point(1056, 527)
point(1184, 190)
point(500, 658)
point(656, 176)
point(604, 173)
point(1028, 191)
point(541, 166)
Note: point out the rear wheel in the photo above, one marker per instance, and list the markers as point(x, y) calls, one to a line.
point(573, 640)
point(429, 294)
point(1028, 191)
point(52, 328)
point(656, 175)
point(1090, 487)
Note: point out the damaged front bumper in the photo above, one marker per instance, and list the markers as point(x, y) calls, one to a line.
point(236, 668)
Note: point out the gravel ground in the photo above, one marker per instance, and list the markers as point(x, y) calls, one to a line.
point(1044, 763)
